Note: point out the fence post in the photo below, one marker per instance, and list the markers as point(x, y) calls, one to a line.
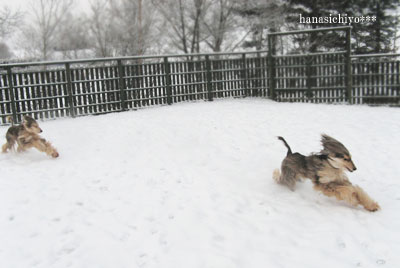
point(69, 89)
point(12, 96)
point(209, 78)
point(271, 65)
point(121, 83)
point(257, 90)
point(245, 76)
point(348, 69)
point(167, 70)
point(309, 81)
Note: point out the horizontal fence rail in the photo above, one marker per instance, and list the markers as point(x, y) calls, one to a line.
point(47, 90)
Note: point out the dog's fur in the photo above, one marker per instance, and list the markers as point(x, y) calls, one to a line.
point(26, 136)
point(327, 172)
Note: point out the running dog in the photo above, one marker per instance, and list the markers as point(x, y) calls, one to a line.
point(26, 136)
point(326, 171)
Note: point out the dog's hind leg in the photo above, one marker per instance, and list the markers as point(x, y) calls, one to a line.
point(276, 175)
point(288, 177)
point(6, 147)
point(352, 195)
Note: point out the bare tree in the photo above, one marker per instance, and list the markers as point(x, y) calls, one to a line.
point(121, 27)
point(220, 24)
point(9, 20)
point(100, 26)
point(260, 17)
point(184, 20)
point(197, 16)
point(39, 37)
point(140, 27)
point(72, 39)
point(132, 22)
point(195, 25)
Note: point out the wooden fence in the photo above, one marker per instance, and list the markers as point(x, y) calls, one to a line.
point(310, 78)
point(322, 78)
point(333, 77)
point(74, 88)
point(376, 79)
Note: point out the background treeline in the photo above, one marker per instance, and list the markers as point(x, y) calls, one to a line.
point(66, 29)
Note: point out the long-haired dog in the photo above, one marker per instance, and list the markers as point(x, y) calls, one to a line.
point(326, 170)
point(26, 135)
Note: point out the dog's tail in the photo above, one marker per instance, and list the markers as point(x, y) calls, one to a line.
point(10, 120)
point(287, 146)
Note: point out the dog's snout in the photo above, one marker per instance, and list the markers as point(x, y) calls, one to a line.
point(354, 169)
point(40, 130)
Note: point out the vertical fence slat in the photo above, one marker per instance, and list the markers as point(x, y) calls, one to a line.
point(209, 78)
point(348, 66)
point(271, 69)
point(167, 75)
point(12, 96)
point(244, 76)
point(121, 85)
point(70, 102)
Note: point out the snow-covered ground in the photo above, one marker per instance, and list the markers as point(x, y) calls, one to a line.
point(190, 185)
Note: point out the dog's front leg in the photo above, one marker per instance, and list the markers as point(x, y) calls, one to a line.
point(364, 199)
point(46, 147)
point(352, 195)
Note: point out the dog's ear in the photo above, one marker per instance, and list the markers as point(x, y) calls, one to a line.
point(28, 121)
point(327, 140)
point(27, 118)
point(332, 146)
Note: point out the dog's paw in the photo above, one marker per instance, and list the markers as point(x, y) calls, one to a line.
point(55, 154)
point(373, 207)
point(276, 175)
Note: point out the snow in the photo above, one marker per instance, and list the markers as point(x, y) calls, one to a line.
point(190, 185)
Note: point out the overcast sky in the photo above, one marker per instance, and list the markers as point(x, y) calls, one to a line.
point(81, 5)
point(24, 4)
point(13, 4)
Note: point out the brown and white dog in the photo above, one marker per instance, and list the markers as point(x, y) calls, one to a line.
point(26, 135)
point(327, 172)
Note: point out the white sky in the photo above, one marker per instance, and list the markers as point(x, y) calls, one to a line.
point(81, 5)
point(13, 4)
point(22, 5)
